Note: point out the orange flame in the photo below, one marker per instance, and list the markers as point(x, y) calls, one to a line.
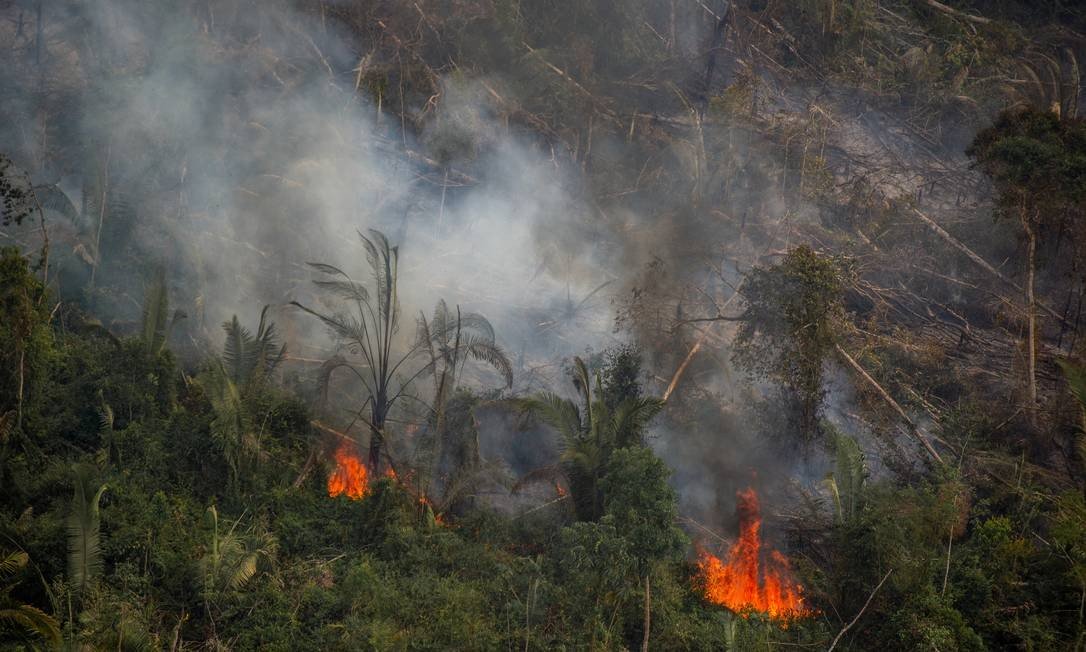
point(425, 502)
point(560, 490)
point(349, 476)
point(744, 582)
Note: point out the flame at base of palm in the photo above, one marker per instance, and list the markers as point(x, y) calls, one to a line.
point(751, 579)
point(350, 477)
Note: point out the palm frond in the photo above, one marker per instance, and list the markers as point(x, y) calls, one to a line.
point(478, 323)
point(342, 327)
point(424, 337)
point(631, 417)
point(84, 551)
point(156, 303)
point(12, 562)
point(269, 353)
point(33, 620)
point(582, 381)
point(52, 198)
point(324, 374)
point(238, 352)
point(350, 290)
point(441, 325)
point(561, 414)
point(331, 270)
point(382, 260)
point(849, 475)
point(487, 351)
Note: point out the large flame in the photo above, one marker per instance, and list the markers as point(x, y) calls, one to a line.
point(746, 583)
point(349, 477)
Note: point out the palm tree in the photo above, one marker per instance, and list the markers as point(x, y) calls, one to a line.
point(248, 358)
point(367, 334)
point(450, 340)
point(25, 618)
point(590, 434)
point(232, 380)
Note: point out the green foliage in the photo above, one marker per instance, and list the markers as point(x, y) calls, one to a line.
point(996, 563)
point(590, 434)
point(448, 341)
point(846, 482)
point(16, 193)
point(596, 571)
point(156, 323)
point(84, 530)
point(20, 622)
point(25, 342)
point(642, 505)
point(621, 374)
point(1034, 156)
point(249, 358)
point(233, 385)
point(1076, 382)
point(789, 325)
point(232, 558)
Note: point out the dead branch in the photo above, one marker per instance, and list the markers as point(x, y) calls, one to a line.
point(685, 363)
point(980, 262)
point(860, 613)
point(913, 428)
point(950, 11)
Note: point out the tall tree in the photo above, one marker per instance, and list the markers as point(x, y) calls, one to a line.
point(787, 328)
point(1037, 161)
point(366, 332)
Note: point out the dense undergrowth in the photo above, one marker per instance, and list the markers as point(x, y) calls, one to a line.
point(155, 549)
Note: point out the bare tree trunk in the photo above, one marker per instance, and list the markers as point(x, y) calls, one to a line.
point(375, 449)
point(101, 216)
point(19, 393)
point(648, 616)
point(1032, 320)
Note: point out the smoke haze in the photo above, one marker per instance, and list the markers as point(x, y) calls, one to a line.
point(252, 141)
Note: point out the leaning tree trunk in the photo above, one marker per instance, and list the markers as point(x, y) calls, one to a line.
point(648, 616)
point(1031, 317)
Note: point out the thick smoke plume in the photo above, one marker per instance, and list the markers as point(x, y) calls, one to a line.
point(249, 144)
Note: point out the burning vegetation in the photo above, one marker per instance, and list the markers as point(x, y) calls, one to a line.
point(769, 213)
point(349, 478)
point(752, 579)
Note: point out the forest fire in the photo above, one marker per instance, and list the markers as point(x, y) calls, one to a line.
point(349, 477)
point(750, 580)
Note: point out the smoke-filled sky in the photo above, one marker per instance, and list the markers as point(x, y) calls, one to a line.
point(234, 144)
